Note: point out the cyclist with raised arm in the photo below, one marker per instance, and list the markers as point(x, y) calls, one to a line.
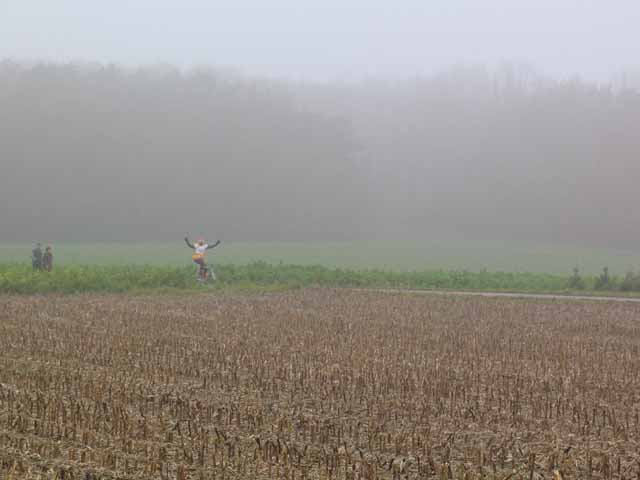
point(200, 248)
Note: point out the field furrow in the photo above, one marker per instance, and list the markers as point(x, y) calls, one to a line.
point(318, 384)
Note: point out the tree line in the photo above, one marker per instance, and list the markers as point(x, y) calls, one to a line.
point(99, 152)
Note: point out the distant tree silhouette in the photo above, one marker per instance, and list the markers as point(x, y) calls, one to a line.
point(96, 152)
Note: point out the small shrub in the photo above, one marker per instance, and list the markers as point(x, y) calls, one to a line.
point(631, 282)
point(603, 282)
point(575, 281)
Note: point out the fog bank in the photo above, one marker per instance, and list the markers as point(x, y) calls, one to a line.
point(94, 152)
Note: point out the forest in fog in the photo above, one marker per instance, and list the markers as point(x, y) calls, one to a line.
point(103, 153)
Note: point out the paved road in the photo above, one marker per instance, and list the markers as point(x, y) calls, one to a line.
point(542, 296)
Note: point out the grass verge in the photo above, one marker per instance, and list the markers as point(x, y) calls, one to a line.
point(263, 277)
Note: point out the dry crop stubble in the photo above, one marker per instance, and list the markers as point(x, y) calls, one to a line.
point(318, 384)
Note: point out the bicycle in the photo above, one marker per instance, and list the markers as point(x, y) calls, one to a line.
point(205, 274)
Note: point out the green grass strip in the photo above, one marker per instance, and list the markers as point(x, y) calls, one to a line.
point(18, 278)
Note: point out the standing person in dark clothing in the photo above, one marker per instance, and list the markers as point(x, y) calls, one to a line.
point(36, 257)
point(47, 259)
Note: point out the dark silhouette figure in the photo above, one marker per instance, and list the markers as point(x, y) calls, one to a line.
point(36, 257)
point(47, 259)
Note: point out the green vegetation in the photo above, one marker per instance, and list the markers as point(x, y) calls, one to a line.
point(399, 256)
point(434, 265)
point(19, 278)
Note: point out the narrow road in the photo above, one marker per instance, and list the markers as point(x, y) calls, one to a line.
point(541, 296)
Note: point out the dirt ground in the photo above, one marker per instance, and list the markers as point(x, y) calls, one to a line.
point(318, 384)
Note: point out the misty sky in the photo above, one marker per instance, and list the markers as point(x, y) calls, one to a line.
point(329, 39)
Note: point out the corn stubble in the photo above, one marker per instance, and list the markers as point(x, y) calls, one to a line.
point(318, 384)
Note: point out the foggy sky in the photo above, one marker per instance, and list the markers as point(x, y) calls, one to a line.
point(329, 39)
point(485, 133)
point(112, 154)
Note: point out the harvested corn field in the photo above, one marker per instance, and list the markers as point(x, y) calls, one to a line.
point(318, 384)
